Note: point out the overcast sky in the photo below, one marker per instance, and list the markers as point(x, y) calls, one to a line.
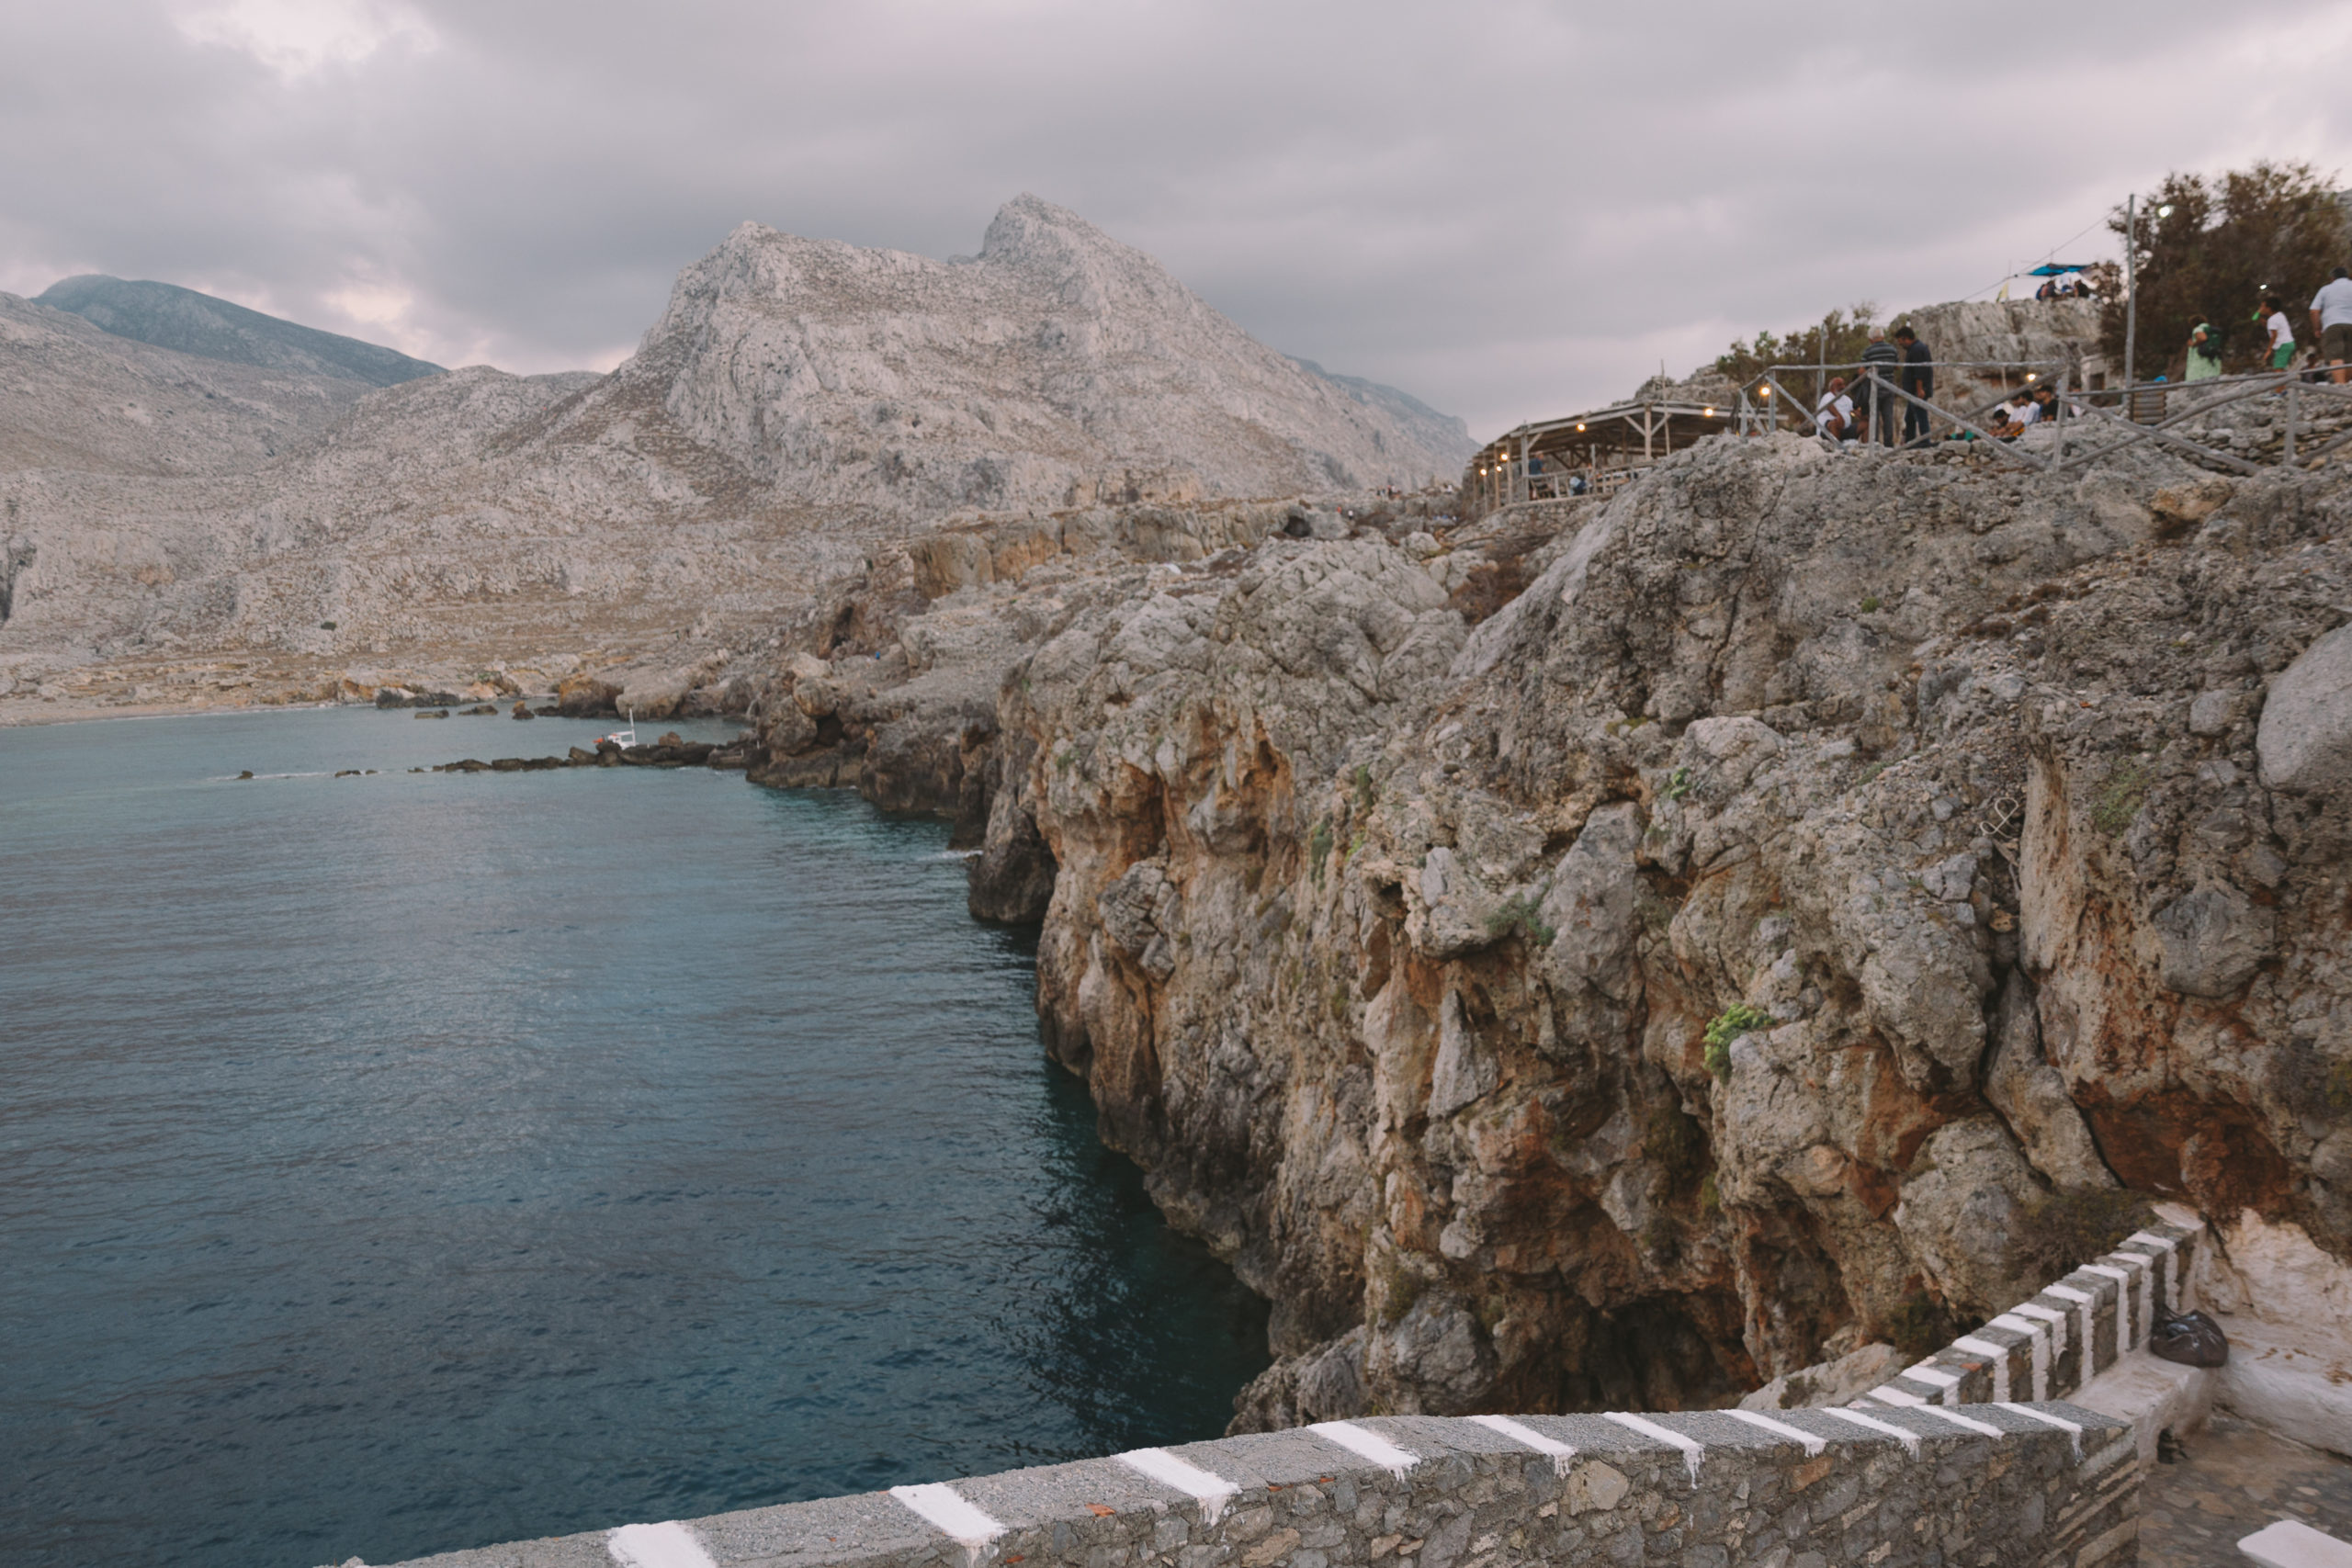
point(1507, 209)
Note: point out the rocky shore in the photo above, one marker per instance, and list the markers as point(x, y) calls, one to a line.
point(1621, 952)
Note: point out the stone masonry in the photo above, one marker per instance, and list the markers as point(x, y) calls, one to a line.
point(2000, 1486)
point(2070, 1331)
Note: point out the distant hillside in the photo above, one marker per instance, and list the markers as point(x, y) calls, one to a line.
point(1440, 432)
point(170, 317)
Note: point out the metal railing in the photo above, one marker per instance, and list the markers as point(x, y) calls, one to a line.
point(2149, 410)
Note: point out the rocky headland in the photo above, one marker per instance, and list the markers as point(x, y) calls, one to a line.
point(1616, 953)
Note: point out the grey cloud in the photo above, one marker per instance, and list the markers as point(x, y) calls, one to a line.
point(1505, 209)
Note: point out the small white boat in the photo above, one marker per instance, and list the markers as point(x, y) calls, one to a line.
point(624, 739)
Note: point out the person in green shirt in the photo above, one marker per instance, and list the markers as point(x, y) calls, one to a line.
point(2204, 354)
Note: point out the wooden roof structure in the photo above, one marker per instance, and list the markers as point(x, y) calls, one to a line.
point(1517, 464)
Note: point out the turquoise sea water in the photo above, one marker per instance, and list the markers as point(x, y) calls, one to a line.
point(405, 1162)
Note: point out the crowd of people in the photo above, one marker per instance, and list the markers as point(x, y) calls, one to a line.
point(2331, 323)
point(1866, 408)
point(2066, 286)
point(1905, 363)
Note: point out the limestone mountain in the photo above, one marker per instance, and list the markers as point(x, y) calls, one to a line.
point(170, 317)
point(199, 478)
point(1057, 368)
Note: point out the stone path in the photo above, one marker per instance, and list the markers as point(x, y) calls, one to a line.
point(2230, 1480)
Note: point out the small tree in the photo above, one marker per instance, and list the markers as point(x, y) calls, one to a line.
point(1837, 339)
point(2227, 239)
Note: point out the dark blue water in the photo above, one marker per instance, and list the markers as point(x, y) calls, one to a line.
point(405, 1162)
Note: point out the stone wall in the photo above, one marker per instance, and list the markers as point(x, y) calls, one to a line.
point(2003, 1484)
point(2048, 1346)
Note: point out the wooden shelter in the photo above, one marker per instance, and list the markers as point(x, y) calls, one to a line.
point(1534, 461)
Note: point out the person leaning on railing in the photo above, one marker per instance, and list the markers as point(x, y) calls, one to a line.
point(2332, 319)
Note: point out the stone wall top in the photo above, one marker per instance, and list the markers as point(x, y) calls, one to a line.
point(2001, 1484)
point(2071, 1331)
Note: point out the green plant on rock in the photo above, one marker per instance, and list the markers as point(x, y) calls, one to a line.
point(1727, 1026)
point(1367, 792)
point(1319, 849)
point(2118, 803)
point(1519, 913)
point(1678, 784)
point(1870, 604)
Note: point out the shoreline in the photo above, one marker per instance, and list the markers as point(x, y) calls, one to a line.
point(87, 714)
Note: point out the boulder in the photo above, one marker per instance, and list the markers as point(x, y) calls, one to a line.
point(2214, 939)
point(1840, 1382)
point(2305, 739)
point(586, 695)
point(1965, 1208)
point(655, 694)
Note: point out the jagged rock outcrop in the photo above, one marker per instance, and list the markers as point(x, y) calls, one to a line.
point(1826, 898)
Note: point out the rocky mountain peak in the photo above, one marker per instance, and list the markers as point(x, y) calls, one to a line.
point(1059, 367)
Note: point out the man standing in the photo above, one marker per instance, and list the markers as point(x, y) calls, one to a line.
point(2332, 318)
point(1919, 379)
point(1880, 360)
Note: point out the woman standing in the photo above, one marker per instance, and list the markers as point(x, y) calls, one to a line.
point(2204, 354)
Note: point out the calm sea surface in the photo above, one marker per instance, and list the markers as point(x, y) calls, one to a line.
point(405, 1162)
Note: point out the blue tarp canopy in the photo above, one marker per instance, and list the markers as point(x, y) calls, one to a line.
point(2051, 269)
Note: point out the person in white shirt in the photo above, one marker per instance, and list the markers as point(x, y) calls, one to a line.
point(2282, 333)
point(2332, 323)
point(2016, 415)
point(1834, 415)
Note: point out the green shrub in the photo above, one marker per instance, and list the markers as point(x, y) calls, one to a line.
point(2118, 803)
point(1678, 784)
point(1367, 793)
point(1727, 1026)
point(1870, 604)
point(1519, 913)
point(1318, 850)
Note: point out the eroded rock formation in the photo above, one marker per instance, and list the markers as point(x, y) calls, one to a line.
point(1793, 921)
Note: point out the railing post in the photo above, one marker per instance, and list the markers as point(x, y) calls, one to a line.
point(2292, 406)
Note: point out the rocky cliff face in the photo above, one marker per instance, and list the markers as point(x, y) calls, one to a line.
point(1829, 892)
